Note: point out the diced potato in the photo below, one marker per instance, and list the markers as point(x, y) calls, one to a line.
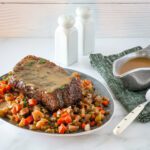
point(89, 96)
point(22, 122)
point(87, 84)
point(82, 111)
point(77, 118)
point(41, 123)
point(97, 110)
point(24, 111)
point(97, 103)
point(98, 117)
point(44, 110)
point(88, 100)
point(76, 109)
point(76, 75)
point(16, 118)
point(87, 117)
point(36, 107)
point(73, 128)
point(53, 118)
point(87, 127)
point(69, 109)
point(77, 124)
point(9, 97)
point(10, 117)
point(32, 127)
point(19, 98)
point(3, 111)
point(98, 98)
point(21, 95)
point(58, 113)
point(102, 116)
point(49, 130)
point(37, 115)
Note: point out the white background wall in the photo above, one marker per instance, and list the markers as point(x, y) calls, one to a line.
point(38, 18)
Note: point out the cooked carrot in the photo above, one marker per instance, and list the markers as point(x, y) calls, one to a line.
point(64, 114)
point(105, 103)
point(2, 91)
point(100, 108)
point(83, 125)
point(13, 110)
point(1, 100)
point(2, 82)
point(62, 129)
point(54, 114)
point(60, 121)
point(16, 118)
point(18, 107)
point(29, 119)
point(32, 102)
point(103, 111)
point(68, 119)
point(8, 87)
point(92, 123)
point(92, 116)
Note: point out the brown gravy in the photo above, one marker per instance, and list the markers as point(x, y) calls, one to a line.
point(43, 77)
point(139, 62)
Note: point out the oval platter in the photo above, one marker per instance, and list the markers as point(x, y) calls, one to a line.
point(100, 89)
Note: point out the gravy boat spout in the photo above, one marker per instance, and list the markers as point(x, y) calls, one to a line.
point(136, 79)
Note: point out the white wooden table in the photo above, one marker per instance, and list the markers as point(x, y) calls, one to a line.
point(136, 137)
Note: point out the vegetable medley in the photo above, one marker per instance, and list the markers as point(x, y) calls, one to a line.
point(29, 113)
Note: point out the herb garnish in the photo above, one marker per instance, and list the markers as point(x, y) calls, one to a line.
point(30, 63)
point(42, 61)
point(25, 103)
point(62, 87)
point(6, 77)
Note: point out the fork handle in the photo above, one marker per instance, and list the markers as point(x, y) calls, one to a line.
point(128, 119)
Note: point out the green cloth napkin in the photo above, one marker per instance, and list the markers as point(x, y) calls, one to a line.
point(129, 99)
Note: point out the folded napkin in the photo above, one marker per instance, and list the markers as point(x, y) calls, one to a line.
point(129, 99)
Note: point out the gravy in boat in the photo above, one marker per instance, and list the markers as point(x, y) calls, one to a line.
point(138, 62)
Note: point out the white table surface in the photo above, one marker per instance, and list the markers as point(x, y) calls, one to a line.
point(136, 137)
